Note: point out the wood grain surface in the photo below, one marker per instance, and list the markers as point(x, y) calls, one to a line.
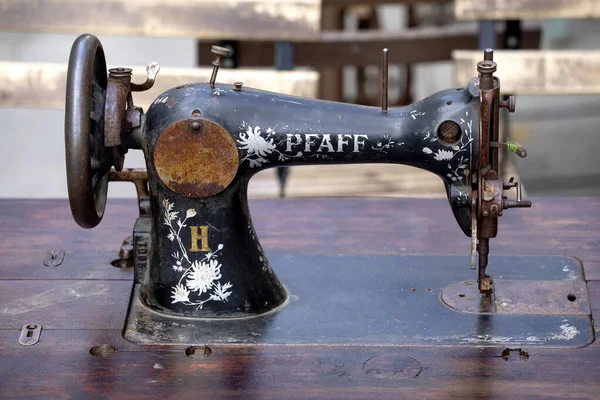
point(60, 365)
point(537, 72)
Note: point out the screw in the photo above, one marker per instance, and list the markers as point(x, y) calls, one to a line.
point(54, 258)
point(238, 85)
point(448, 131)
point(196, 126)
point(509, 104)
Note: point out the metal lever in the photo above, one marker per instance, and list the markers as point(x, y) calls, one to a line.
point(139, 177)
point(510, 184)
point(151, 71)
point(513, 147)
point(516, 203)
point(519, 202)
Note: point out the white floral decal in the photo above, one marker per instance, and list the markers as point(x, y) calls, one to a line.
point(386, 144)
point(430, 137)
point(457, 174)
point(414, 114)
point(161, 99)
point(201, 276)
point(442, 155)
point(258, 147)
point(218, 92)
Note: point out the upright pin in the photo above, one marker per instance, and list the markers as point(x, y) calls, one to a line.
point(384, 80)
point(486, 69)
point(218, 52)
point(488, 55)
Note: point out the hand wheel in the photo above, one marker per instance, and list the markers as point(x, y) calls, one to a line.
point(88, 161)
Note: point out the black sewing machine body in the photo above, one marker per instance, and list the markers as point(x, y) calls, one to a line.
point(189, 128)
point(201, 274)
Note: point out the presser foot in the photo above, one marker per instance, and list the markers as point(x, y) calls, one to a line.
point(485, 287)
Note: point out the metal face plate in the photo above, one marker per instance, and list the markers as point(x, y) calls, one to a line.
point(196, 158)
point(522, 297)
point(381, 300)
point(30, 334)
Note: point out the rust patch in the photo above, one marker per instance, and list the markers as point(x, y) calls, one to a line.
point(213, 187)
point(196, 164)
point(116, 106)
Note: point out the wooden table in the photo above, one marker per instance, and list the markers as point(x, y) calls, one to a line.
point(60, 365)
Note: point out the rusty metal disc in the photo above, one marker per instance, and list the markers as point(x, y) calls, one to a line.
point(196, 158)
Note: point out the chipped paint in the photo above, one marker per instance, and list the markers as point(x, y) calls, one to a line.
point(571, 275)
point(286, 101)
point(568, 332)
point(484, 339)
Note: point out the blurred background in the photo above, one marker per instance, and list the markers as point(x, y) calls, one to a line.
point(557, 118)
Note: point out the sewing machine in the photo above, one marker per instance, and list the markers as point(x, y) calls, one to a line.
point(200, 270)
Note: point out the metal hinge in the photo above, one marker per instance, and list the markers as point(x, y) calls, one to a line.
point(30, 334)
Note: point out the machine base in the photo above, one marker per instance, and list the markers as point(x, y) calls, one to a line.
point(396, 301)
